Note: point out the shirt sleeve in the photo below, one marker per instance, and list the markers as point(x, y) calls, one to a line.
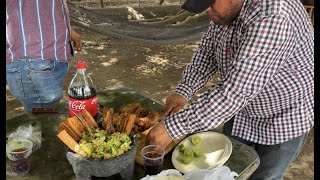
point(266, 45)
point(200, 70)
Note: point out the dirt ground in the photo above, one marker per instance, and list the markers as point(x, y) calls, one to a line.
point(152, 70)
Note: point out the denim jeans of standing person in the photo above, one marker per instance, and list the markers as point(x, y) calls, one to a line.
point(36, 83)
point(274, 159)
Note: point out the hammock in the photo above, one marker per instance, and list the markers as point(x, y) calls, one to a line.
point(156, 30)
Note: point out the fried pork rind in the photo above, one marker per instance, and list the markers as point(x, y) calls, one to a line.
point(107, 120)
point(145, 117)
point(131, 108)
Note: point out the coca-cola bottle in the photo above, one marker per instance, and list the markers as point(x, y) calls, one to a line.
point(82, 92)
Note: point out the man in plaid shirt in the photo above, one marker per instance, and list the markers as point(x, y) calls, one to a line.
point(264, 53)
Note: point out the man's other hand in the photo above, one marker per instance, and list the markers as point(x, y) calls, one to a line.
point(174, 103)
point(76, 39)
point(159, 135)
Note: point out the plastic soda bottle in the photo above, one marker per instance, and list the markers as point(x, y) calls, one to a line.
point(82, 92)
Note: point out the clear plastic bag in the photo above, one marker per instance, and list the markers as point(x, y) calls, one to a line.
point(219, 173)
point(169, 174)
point(26, 132)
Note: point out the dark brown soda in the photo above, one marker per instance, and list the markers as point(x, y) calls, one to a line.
point(153, 167)
point(80, 94)
point(21, 166)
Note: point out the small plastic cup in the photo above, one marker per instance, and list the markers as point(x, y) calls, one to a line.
point(19, 153)
point(153, 159)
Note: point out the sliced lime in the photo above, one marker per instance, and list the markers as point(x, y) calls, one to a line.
point(188, 152)
point(17, 144)
point(182, 148)
point(196, 140)
point(186, 159)
point(197, 152)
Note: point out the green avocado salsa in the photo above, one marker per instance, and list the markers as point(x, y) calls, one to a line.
point(99, 144)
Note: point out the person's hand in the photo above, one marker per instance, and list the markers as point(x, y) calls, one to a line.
point(76, 39)
point(159, 135)
point(174, 103)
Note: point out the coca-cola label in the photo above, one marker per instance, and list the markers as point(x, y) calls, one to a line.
point(76, 105)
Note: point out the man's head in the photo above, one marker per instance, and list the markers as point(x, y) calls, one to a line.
point(220, 11)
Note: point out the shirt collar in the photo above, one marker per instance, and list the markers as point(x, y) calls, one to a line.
point(241, 13)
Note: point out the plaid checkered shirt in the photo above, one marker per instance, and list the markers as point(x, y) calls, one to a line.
point(265, 60)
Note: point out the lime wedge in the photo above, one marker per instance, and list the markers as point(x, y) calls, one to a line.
point(182, 148)
point(17, 144)
point(196, 140)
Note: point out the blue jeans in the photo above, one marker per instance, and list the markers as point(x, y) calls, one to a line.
point(36, 83)
point(274, 159)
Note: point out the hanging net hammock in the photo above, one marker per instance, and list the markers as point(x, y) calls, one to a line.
point(127, 23)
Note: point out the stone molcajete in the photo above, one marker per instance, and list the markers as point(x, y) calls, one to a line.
point(84, 168)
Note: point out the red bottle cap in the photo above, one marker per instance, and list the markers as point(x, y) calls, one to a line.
point(81, 65)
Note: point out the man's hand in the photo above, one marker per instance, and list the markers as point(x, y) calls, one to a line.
point(159, 135)
point(76, 39)
point(174, 103)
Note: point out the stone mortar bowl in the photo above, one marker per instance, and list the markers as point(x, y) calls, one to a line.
point(84, 168)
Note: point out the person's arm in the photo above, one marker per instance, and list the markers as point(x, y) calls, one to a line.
point(266, 46)
point(76, 39)
point(200, 70)
point(195, 75)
